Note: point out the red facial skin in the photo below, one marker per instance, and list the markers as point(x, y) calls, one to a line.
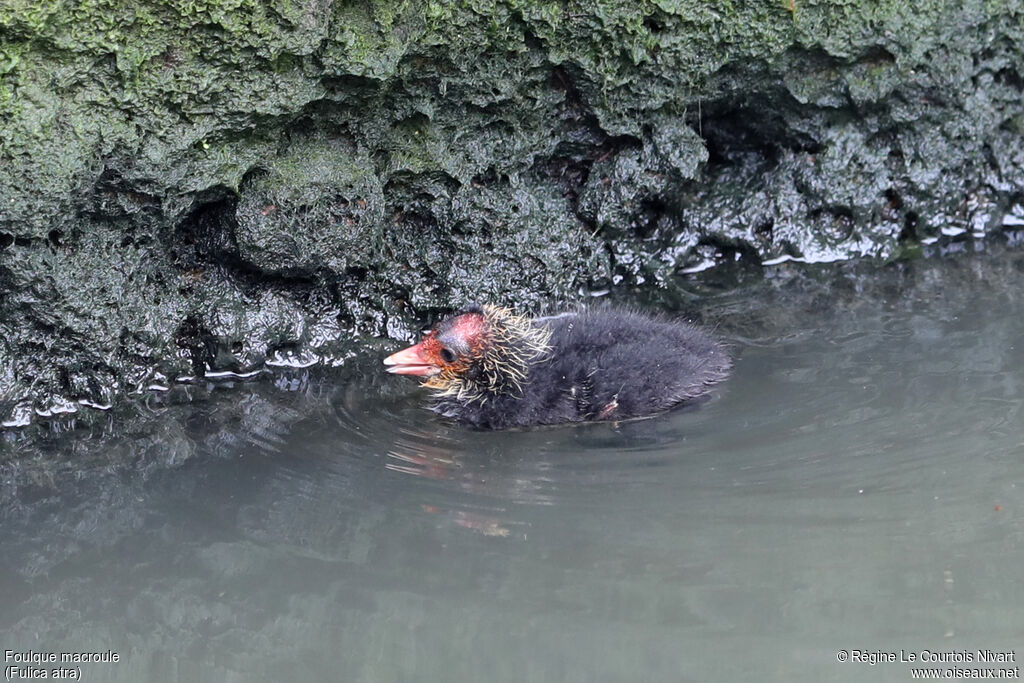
point(426, 359)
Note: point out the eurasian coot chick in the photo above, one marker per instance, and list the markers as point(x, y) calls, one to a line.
point(492, 369)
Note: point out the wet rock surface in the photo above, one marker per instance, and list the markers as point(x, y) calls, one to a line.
point(188, 188)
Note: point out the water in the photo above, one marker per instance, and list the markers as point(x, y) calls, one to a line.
point(856, 485)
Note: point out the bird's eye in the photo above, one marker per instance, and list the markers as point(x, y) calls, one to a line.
point(447, 355)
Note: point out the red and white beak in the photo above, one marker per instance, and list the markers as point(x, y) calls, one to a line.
point(411, 361)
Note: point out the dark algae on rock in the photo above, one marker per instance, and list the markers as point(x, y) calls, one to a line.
point(191, 187)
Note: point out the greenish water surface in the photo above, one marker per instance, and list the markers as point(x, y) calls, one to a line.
point(855, 486)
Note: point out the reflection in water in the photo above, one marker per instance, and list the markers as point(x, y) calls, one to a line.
point(855, 484)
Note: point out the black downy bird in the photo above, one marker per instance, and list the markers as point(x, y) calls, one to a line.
point(492, 369)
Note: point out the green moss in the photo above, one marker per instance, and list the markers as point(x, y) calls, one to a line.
point(25, 18)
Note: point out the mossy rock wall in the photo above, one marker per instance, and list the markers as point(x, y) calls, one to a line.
point(189, 186)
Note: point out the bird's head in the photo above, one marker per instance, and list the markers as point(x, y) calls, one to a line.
point(479, 351)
